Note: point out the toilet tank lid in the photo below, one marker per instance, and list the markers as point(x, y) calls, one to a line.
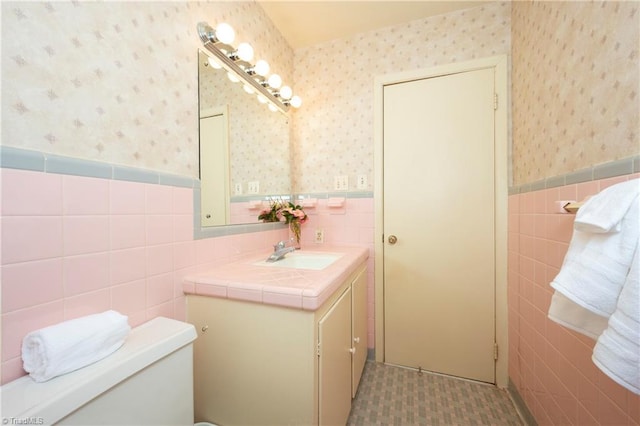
point(60, 396)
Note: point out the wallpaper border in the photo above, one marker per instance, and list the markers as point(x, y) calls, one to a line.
point(614, 168)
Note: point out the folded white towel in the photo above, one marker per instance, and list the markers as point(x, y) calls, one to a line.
point(617, 351)
point(596, 265)
point(575, 317)
point(70, 345)
point(604, 212)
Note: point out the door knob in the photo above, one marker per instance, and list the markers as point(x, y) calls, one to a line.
point(393, 239)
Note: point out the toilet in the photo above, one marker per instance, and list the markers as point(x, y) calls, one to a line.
point(148, 381)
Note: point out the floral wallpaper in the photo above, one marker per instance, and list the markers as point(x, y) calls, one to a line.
point(333, 130)
point(576, 80)
point(115, 81)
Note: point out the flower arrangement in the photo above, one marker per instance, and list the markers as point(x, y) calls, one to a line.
point(293, 215)
point(273, 213)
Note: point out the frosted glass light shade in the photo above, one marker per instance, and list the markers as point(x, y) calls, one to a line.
point(234, 78)
point(248, 89)
point(274, 81)
point(296, 102)
point(225, 33)
point(262, 99)
point(213, 63)
point(245, 52)
point(286, 92)
point(261, 68)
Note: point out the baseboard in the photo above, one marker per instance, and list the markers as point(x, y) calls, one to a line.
point(520, 405)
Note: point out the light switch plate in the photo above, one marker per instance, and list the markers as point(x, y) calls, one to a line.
point(237, 189)
point(253, 187)
point(319, 238)
point(362, 182)
point(341, 183)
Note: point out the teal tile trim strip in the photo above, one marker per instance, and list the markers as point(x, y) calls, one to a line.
point(626, 166)
point(318, 195)
point(23, 159)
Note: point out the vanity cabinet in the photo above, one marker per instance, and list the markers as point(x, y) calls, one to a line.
point(264, 364)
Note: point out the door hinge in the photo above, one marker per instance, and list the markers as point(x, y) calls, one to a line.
point(495, 351)
point(495, 101)
point(318, 350)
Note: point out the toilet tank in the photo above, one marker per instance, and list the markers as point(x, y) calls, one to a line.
point(148, 381)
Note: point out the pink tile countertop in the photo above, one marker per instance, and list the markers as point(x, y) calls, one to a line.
point(295, 288)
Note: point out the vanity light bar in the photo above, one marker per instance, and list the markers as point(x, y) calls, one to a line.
point(212, 44)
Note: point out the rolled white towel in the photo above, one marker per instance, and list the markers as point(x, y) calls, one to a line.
point(70, 345)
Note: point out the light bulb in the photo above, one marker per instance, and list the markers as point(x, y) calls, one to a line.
point(213, 63)
point(234, 78)
point(261, 68)
point(245, 52)
point(296, 101)
point(272, 107)
point(262, 99)
point(248, 89)
point(225, 33)
point(286, 92)
point(275, 81)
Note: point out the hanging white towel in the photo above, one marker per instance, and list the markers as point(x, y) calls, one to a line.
point(597, 264)
point(73, 344)
point(604, 212)
point(617, 351)
point(573, 316)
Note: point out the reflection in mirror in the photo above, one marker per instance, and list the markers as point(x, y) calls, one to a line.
point(244, 150)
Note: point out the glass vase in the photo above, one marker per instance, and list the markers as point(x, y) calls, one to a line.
point(295, 230)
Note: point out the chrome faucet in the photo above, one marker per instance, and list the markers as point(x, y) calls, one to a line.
point(280, 250)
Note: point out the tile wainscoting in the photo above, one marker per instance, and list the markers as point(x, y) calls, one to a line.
point(549, 365)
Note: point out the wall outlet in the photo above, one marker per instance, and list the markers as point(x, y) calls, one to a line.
point(341, 183)
point(362, 182)
point(253, 187)
point(319, 237)
point(237, 190)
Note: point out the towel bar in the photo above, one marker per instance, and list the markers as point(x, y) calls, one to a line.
point(572, 207)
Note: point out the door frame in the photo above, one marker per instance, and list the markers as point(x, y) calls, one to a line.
point(502, 155)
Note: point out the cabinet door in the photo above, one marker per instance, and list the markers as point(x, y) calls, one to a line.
point(359, 330)
point(334, 340)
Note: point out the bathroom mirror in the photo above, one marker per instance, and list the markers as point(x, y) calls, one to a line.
point(244, 150)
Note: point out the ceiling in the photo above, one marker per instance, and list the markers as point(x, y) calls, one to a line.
point(307, 22)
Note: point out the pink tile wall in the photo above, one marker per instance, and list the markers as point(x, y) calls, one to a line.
point(73, 246)
point(550, 365)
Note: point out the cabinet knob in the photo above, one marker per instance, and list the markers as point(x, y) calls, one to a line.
point(205, 328)
point(393, 239)
point(356, 339)
point(352, 350)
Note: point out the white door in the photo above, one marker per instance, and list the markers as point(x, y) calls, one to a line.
point(214, 168)
point(439, 276)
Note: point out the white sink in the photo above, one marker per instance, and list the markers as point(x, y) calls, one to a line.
point(303, 260)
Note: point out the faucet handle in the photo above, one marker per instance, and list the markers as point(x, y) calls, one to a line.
point(279, 245)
